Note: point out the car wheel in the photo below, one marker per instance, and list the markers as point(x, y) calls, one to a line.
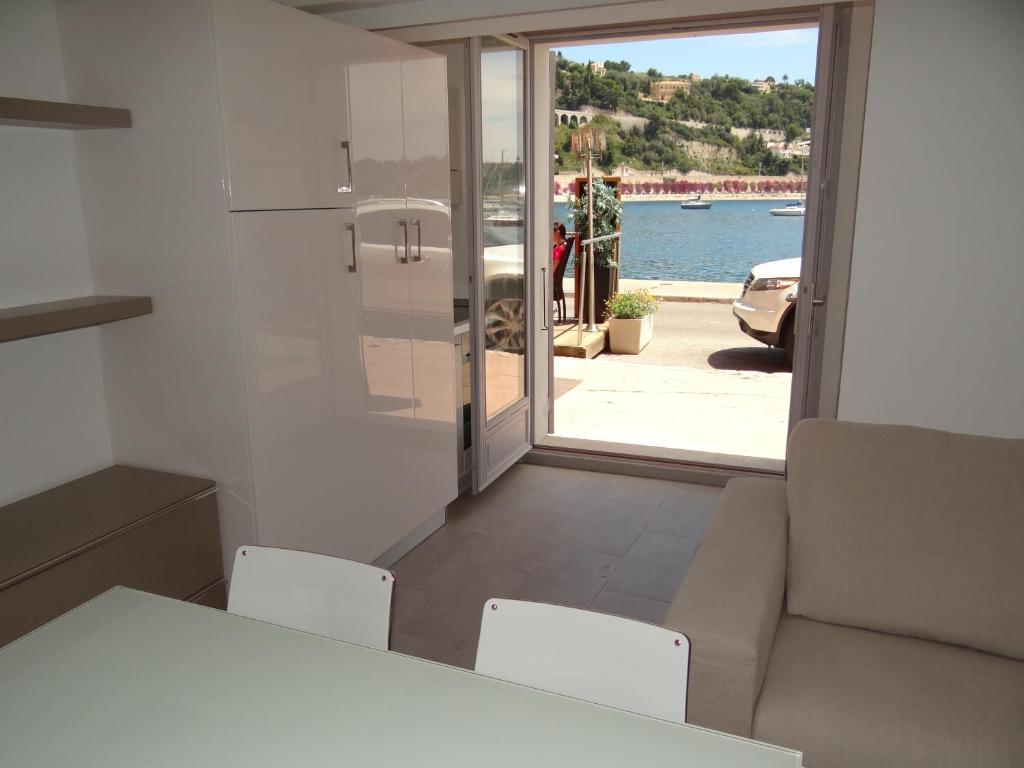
point(789, 337)
point(504, 325)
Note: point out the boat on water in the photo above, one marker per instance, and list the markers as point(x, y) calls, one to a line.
point(695, 203)
point(796, 208)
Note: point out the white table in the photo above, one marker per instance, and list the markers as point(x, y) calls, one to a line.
point(131, 679)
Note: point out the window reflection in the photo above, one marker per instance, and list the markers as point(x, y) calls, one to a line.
point(504, 257)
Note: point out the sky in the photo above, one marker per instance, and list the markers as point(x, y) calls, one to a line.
point(753, 56)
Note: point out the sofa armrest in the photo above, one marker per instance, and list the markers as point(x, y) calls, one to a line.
point(730, 602)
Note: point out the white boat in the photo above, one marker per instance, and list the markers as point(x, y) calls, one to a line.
point(796, 208)
point(695, 203)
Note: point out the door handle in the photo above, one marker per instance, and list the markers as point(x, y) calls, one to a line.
point(354, 265)
point(419, 240)
point(404, 224)
point(547, 302)
point(347, 185)
point(815, 302)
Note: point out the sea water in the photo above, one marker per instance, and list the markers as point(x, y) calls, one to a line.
point(661, 241)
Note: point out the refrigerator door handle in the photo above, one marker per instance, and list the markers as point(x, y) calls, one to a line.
point(354, 266)
point(345, 186)
point(419, 240)
point(404, 224)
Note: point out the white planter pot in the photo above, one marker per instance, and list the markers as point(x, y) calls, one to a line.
point(628, 337)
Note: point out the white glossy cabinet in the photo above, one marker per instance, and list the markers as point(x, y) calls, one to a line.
point(297, 247)
point(400, 155)
point(330, 475)
point(285, 107)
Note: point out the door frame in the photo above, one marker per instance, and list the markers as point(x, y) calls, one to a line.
point(817, 367)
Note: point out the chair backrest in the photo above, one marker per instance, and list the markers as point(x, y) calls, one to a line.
point(604, 659)
point(314, 593)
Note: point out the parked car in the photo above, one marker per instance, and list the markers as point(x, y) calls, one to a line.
point(767, 308)
point(504, 299)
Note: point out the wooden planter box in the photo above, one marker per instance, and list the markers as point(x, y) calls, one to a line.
point(628, 337)
point(606, 285)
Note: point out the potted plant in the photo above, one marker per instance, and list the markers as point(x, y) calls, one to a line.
point(607, 215)
point(631, 320)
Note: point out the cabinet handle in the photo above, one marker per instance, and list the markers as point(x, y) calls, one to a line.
point(419, 240)
point(404, 224)
point(352, 230)
point(347, 186)
point(547, 302)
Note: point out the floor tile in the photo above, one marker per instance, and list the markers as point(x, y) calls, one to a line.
point(612, 527)
point(571, 576)
point(686, 512)
point(585, 539)
point(630, 606)
point(654, 567)
point(640, 490)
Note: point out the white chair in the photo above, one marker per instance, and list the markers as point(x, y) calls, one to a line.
point(314, 593)
point(605, 659)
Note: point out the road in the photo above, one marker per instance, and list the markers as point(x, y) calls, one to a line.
point(705, 337)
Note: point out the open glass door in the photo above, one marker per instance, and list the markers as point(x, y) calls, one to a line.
point(500, 274)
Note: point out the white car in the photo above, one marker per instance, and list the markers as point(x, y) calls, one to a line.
point(767, 308)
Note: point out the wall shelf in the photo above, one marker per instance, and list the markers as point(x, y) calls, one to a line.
point(68, 315)
point(61, 114)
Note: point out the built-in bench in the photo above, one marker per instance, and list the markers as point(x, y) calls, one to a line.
point(154, 531)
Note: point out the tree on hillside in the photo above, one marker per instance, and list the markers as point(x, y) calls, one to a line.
point(654, 74)
point(618, 66)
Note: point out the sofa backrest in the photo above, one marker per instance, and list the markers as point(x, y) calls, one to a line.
point(908, 531)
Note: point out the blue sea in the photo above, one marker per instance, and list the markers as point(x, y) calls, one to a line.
point(661, 241)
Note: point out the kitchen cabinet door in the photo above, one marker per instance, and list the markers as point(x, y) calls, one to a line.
point(284, 98)
point(312, 448)
point(427, 178)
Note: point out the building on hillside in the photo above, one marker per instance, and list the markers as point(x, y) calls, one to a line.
point(664, 90)
point(597, 68)
point(762, 86)
point(768, 134)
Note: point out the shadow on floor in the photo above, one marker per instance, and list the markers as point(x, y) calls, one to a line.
point(761, 359)
point(562, 386)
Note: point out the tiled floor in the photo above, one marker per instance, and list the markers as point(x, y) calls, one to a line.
point(612, 543)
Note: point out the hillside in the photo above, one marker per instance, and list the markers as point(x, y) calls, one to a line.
point(688, 131)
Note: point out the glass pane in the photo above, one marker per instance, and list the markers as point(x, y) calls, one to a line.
point(504, 256)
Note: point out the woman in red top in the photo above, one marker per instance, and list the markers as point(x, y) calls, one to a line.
point(559, 251)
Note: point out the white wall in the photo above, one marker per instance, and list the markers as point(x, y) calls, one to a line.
point(53, 415)
point(935, 326)
point(155, 218)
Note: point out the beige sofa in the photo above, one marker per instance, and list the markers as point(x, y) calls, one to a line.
point(868, 610)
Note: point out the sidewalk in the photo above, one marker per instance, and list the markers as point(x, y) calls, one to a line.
point(676, 290)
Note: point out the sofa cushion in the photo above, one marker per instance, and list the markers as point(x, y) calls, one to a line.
point(851, 697)
point(907, 530)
